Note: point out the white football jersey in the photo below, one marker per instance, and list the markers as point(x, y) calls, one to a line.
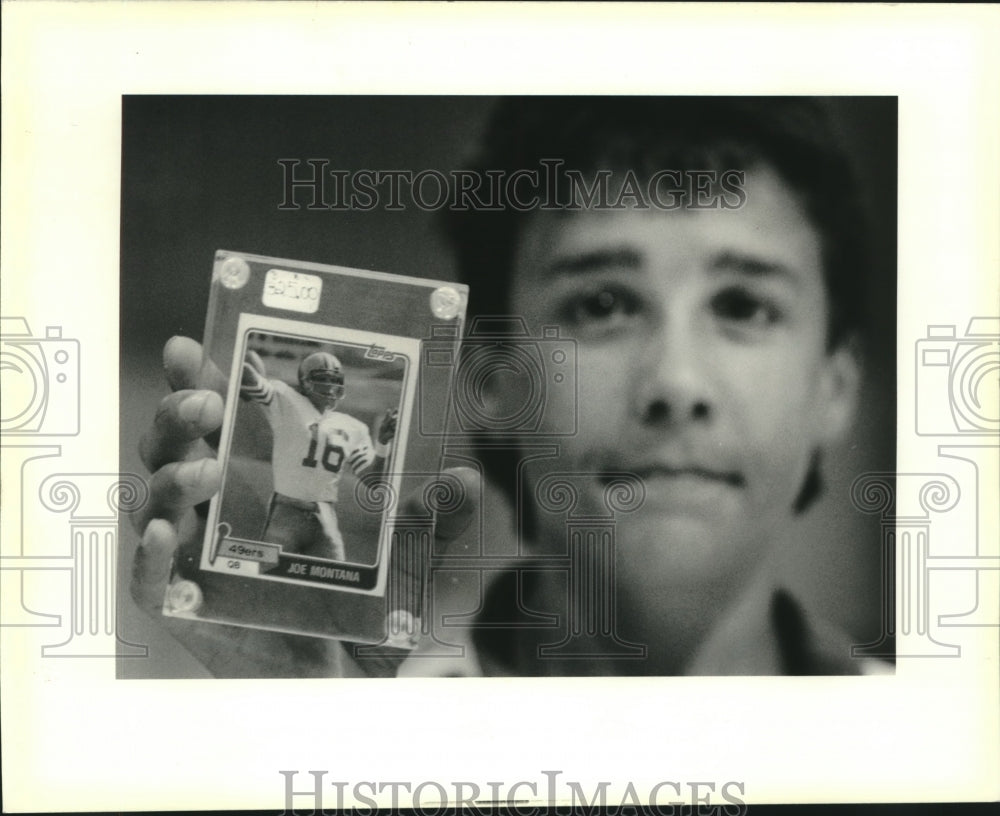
point(311, 449)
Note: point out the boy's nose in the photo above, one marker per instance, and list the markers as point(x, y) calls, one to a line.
point(671, 386)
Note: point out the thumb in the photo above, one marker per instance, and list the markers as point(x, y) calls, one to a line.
point(151, 567)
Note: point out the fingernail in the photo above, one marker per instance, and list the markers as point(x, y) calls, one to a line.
point(150, 538)
point(192, 407)
point(166, 348)
point(190, 473)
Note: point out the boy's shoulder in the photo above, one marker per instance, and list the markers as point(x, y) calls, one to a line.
point(770, 633)
point(773, 633)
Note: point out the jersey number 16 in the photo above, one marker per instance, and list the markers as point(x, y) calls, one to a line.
point(333, 455)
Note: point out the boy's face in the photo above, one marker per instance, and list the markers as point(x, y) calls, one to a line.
point(702, 367)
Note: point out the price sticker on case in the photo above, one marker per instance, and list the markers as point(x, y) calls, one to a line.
point(295, 291)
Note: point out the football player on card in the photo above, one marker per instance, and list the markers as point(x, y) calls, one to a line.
point(313, 442)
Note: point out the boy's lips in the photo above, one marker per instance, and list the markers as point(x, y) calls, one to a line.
point(680, 485)
point(675, 467)
point(690, 472)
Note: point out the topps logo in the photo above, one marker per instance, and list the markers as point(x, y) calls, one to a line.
point(379, 353)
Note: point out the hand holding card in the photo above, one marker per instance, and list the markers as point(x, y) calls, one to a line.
point(303, 534)
point(170, 524)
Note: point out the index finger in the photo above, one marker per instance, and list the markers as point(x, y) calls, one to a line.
point(182, 419)
point(186, 367)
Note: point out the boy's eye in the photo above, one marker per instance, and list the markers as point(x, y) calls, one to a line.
point(745, 308)
point(605, 308)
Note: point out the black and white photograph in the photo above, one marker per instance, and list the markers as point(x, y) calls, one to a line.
point(499, 406)
point(678, 364)
point(312, 449)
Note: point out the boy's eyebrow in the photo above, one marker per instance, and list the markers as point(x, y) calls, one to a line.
point(752, 266)
point(595, 261)
point(627, 258)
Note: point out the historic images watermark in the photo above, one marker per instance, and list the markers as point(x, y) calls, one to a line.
point(41, 395)
point(547, 793)
point(311, 184)
point(958, 401)
point(41, 401)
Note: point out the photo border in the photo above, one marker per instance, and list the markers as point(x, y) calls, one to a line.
point(926, 734)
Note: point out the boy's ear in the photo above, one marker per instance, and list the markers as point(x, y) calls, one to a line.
point(839, 387)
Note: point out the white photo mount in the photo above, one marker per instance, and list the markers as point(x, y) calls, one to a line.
point(325, 383)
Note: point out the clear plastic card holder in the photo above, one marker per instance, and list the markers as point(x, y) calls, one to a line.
point(328, 375)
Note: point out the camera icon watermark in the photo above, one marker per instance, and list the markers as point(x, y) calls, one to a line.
point(505, 381)
point(957, 380)
point(41, 381)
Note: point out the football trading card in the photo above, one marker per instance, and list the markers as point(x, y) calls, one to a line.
point(322, 370)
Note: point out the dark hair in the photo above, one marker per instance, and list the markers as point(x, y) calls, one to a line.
point(793, 135)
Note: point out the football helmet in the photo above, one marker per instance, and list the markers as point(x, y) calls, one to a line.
point(322, 376)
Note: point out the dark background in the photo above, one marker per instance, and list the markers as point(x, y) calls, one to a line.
point(201, 173)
